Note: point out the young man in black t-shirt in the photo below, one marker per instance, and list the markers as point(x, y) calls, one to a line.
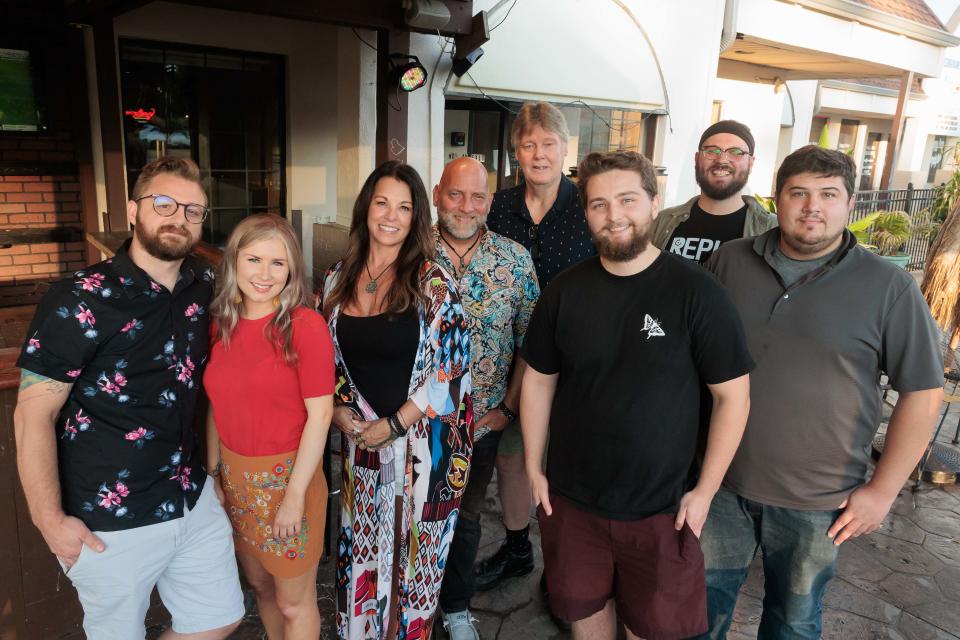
point(617, 349)
point(722, 163)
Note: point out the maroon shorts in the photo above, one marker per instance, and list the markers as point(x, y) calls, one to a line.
point(652, 571)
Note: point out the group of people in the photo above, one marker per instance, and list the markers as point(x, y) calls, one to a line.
point(707, 378)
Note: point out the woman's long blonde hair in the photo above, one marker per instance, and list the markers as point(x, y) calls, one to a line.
point(227, 303)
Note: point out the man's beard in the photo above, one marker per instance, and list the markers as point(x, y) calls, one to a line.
point(158, 248)
point(622, 251)
point(459, 232)
point(737, 182)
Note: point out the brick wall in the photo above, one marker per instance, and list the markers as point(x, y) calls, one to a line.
point(46, 201)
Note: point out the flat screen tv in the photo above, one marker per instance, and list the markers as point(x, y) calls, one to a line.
point(21, 108)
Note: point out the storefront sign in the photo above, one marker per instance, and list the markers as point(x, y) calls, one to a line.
point(140, 115)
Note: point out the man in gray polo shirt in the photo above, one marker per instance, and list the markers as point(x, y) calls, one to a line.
point(824, 319)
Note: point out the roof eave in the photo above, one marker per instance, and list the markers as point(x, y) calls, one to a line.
point(882, 20)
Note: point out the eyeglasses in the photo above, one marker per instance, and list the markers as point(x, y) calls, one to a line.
point(166, 206)
point(716, 152)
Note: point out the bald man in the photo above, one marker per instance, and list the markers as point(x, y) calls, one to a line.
point(498, 287)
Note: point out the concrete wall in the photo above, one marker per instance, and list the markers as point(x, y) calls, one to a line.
point(311, 52)
point(759, 107)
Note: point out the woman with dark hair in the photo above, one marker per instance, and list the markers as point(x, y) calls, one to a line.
point(270, 382)
point(403, 403)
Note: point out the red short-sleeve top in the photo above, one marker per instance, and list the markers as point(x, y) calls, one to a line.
point(257, 398)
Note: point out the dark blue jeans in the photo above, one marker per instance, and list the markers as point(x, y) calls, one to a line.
point(798, 562)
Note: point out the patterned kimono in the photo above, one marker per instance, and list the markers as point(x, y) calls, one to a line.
point(427, 468)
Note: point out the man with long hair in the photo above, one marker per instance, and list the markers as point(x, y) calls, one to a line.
point(104, 425)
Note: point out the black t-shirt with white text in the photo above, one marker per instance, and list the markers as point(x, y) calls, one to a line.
point(631, 353)
point(697, 237)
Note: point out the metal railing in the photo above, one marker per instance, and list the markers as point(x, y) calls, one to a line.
point(915, 202)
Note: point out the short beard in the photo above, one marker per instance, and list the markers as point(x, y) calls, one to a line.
point(156, 247)
point(737, 183)
point(622, 251)
point(450, 230)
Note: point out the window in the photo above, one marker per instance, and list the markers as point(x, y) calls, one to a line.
point(612, 129)
point(224, 109)
point(486, 126)
point(848, 135)
point(936, 157)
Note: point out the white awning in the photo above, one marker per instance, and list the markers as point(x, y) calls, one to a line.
point(561, 51)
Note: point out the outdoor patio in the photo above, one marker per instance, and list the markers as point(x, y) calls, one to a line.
point(901, 584)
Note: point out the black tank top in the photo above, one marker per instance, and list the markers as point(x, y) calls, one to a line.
point(379, 352)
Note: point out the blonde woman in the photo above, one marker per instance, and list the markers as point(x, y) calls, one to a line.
point(270, 383)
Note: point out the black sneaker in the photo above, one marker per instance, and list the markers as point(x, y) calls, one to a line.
point(507, 562)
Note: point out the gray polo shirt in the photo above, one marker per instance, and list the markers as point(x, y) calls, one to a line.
point(820, 346)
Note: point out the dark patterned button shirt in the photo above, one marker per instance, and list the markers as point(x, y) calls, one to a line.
point(562, 238)
point(134, 353)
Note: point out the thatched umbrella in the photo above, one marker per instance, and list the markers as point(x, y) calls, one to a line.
point(941, 280)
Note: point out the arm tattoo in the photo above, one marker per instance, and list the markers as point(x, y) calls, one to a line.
point(29, 378)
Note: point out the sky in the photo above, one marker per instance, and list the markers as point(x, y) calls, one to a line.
point(943, 8)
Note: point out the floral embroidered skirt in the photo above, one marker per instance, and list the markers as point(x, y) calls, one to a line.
point(253, 488)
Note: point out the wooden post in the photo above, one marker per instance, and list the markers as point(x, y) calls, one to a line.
point(111, 123)
point(391, 102)
point(893, 149)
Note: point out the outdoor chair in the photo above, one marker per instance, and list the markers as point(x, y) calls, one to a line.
point(940, 463)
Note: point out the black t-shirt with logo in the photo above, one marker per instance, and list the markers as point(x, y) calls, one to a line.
point(697, 237)
point(631, 353)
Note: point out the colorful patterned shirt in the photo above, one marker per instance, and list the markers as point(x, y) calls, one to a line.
point(498, 290)
point(134, 353)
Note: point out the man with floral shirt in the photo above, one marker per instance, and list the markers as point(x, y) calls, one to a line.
point(498, 286)
point(104, 425)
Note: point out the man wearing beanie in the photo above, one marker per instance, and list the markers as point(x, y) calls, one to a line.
point(697, 228)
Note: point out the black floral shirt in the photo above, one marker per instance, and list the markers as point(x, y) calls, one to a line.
point(134, 353)
point(562, 239)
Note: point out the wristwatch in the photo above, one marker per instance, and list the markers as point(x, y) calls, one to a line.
point(506, 411)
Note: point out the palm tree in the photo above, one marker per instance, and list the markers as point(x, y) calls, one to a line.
point(941, 281)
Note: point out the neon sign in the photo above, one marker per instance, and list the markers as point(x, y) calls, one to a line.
point(140, 115)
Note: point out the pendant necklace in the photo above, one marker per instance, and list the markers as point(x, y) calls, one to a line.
point(372, 285)
point(461, 256)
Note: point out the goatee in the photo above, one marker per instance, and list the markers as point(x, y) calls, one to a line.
point(721, 192)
